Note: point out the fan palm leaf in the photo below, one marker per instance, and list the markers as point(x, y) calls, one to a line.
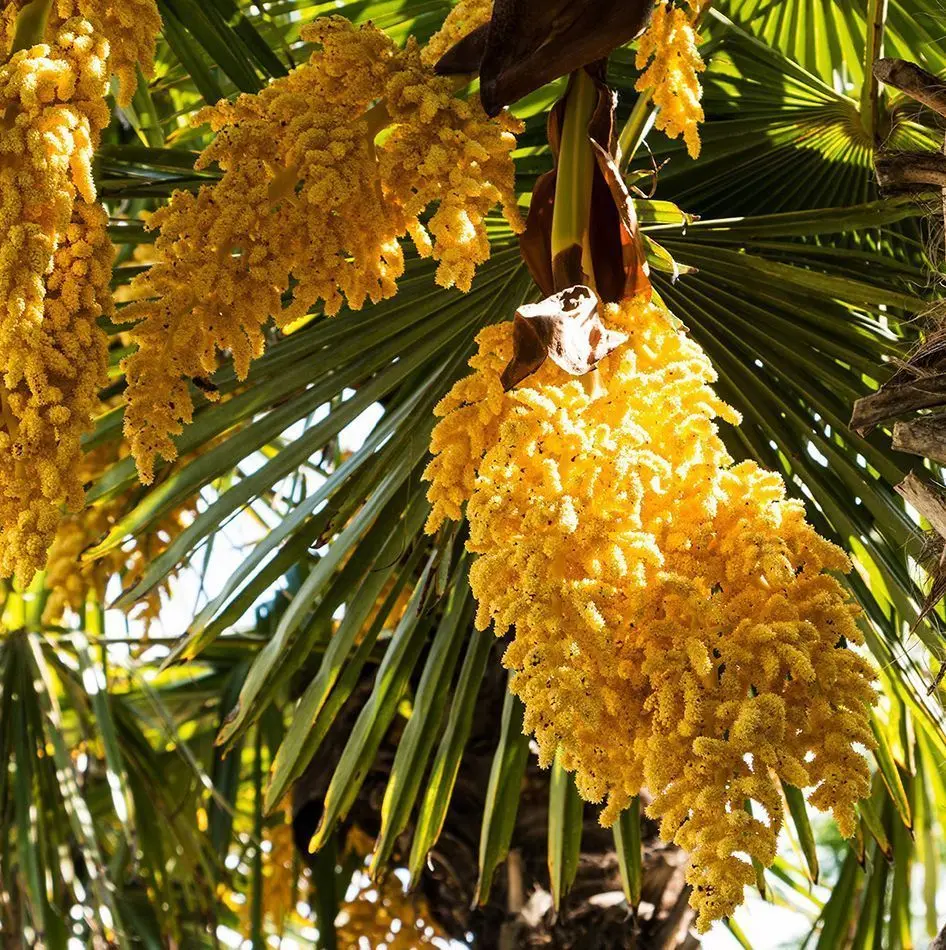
point(776, 251)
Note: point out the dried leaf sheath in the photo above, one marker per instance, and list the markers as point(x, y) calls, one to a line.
point(527, 43)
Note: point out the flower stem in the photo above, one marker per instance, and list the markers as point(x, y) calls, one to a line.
point(635, 129)
point(576, 166)
point(874, 50)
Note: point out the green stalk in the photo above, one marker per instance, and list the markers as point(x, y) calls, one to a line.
point(35, 602)
point(571, 215)
point(31, 25)
point(23, 609)
point(874, 50)
point(94, 617)
point(94, 626)
point(627, 843)
point(326, 892)
point(635, 130)
point(14, 613)
point(144, 115)
point(256, 893)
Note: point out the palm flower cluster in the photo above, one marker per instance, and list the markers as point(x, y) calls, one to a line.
point(369, 914)
point(55, 257)
point(71, 581)
point(669, 46)
point(131, 28)
point(55, 267)
point(676, 627)
point(283, 881)
point(381, 914)
point(310, 207)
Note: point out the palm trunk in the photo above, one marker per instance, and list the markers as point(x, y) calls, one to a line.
point(593, 916)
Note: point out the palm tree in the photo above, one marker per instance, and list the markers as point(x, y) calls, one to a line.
point(329, 679)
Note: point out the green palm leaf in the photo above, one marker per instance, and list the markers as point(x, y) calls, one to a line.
point(776, 252)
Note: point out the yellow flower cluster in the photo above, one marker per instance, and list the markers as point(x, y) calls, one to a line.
point(383, 915)
point(670, 45)
point(71, 580)
point(463, 19)
point(55, 267)
point(130, 27)
point(310, 207)
point(68, 580)
point(674, 625)
point(283, 882)
point(749, 677)
point(444, 150)
point(471, 414)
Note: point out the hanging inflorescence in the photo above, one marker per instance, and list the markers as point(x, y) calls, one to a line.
point(55, 268)
point(463, 19)
point(310, 208)
point(130, 27)
point(71, 582)
point(55, 259)
point(676, 624)
point(668, 53)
